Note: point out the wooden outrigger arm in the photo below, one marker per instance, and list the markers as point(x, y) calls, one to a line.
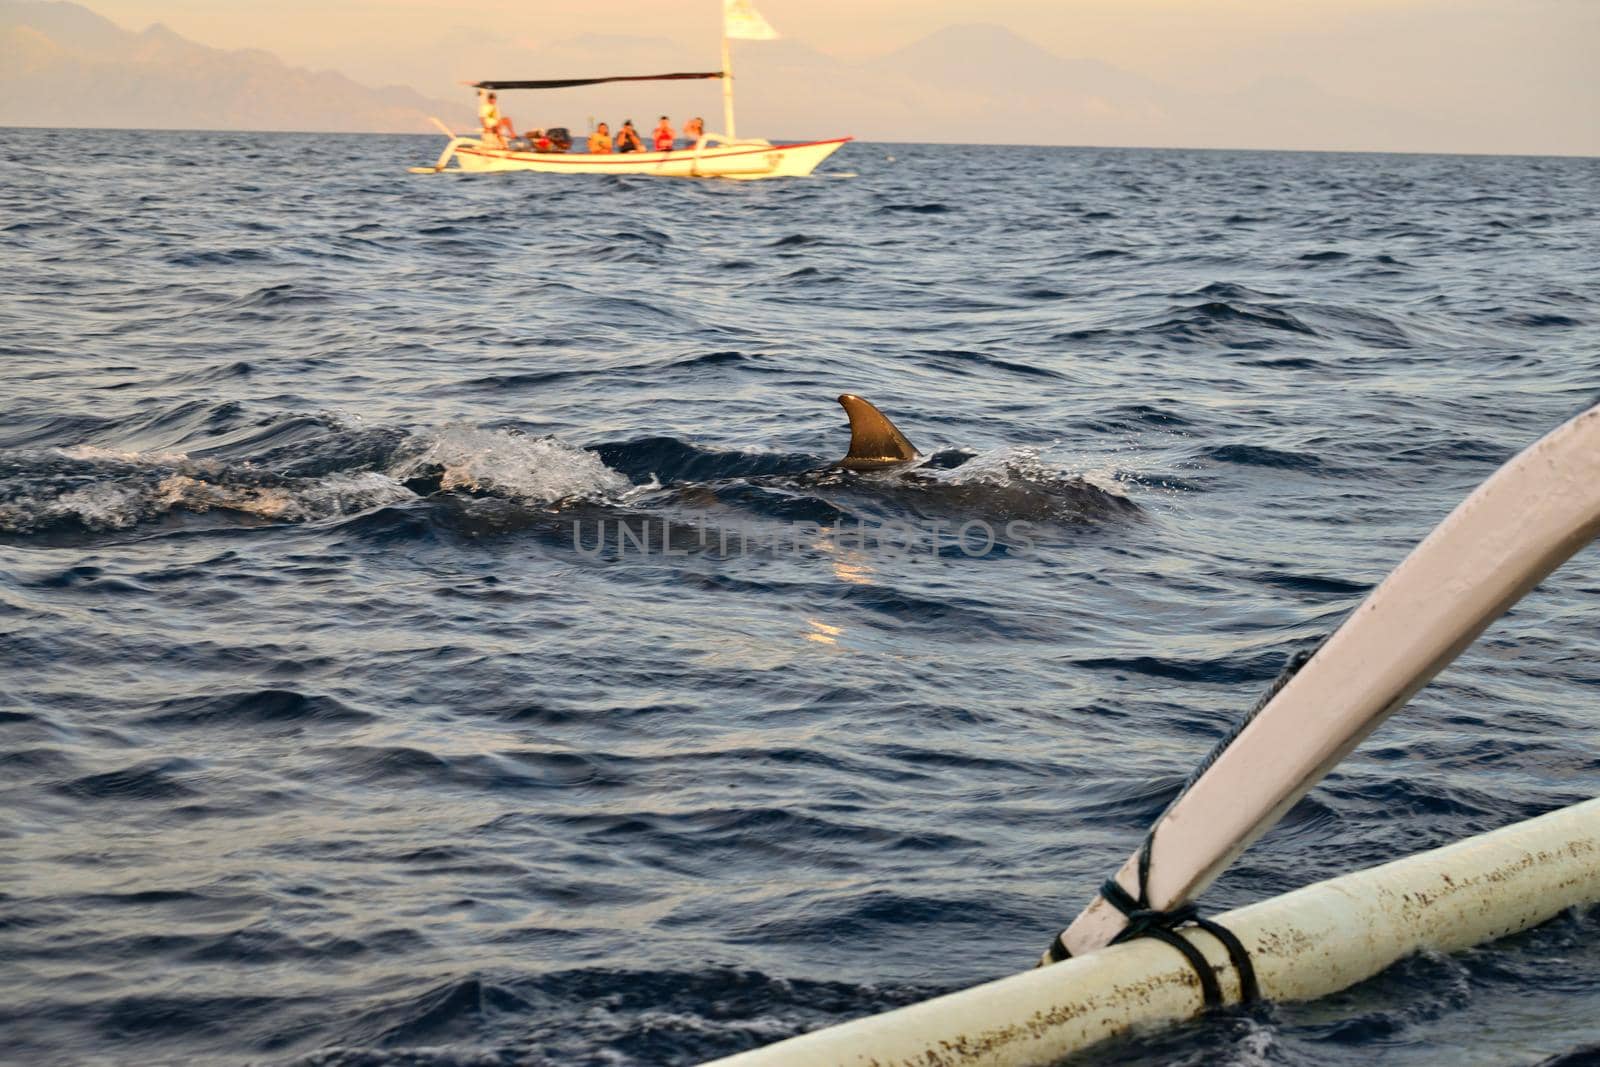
point(449, 149)
point(1527, 519)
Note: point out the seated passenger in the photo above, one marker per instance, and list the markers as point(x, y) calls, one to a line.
point(663, 135)
point(600, 140)
point(693, 130)
point(628, 138)
point(496, 127)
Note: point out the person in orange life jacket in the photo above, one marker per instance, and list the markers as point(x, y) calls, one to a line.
point(663, 135)
point(628, 138)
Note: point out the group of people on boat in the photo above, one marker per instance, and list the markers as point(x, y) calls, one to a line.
point(498, 130)
point(662, 139)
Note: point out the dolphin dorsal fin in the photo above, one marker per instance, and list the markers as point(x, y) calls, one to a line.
point(874, 441)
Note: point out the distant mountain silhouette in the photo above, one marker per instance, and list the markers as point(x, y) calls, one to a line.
point(63, 65)
point(993, 86)
point(993, 61)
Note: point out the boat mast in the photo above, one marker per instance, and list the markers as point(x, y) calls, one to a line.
point(727, 86)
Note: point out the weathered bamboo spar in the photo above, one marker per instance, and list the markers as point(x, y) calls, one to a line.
point(1523, 522)
point(1305, 944)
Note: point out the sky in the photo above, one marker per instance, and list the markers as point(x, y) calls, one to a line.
point(1526, 67)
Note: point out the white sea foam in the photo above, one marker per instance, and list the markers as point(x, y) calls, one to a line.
point(137, 487)
point(998, 466)
point(1019, 465)
point(530, 470)
point(331, 495)
point(125, 488)
point(94, 452)
point(109, 506)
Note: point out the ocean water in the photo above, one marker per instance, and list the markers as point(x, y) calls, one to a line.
point(429, 633)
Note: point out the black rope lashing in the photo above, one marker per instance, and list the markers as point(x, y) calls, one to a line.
point(1145, 921)
point(1249, 988)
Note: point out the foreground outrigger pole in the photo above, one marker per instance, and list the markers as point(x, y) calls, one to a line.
point(1508, 535)
point(1305, 944)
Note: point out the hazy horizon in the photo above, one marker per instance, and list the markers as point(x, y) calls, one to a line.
point(1474, 77)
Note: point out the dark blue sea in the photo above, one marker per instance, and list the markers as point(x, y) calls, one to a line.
point(322, 742)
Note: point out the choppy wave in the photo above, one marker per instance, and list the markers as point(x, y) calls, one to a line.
point(93, 489)
point(100, 489)
point(535, 470)
point(307, 468)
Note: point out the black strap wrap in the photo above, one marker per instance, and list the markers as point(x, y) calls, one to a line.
point(1249, 990)
point(1145, 921)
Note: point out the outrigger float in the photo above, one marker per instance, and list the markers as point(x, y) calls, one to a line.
point(713, 155)
point(1140, 956)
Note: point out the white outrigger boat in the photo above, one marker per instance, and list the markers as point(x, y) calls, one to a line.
point(713, 155)
point(1140, 956)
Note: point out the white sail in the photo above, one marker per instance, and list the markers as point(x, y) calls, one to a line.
point(742, 22)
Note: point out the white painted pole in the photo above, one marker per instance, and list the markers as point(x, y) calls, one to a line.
point(1506, 537)
point(449, 149)
point(1305, 944)
point(727, 89)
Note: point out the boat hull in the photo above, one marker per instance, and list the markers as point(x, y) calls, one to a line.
point(741, 161)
